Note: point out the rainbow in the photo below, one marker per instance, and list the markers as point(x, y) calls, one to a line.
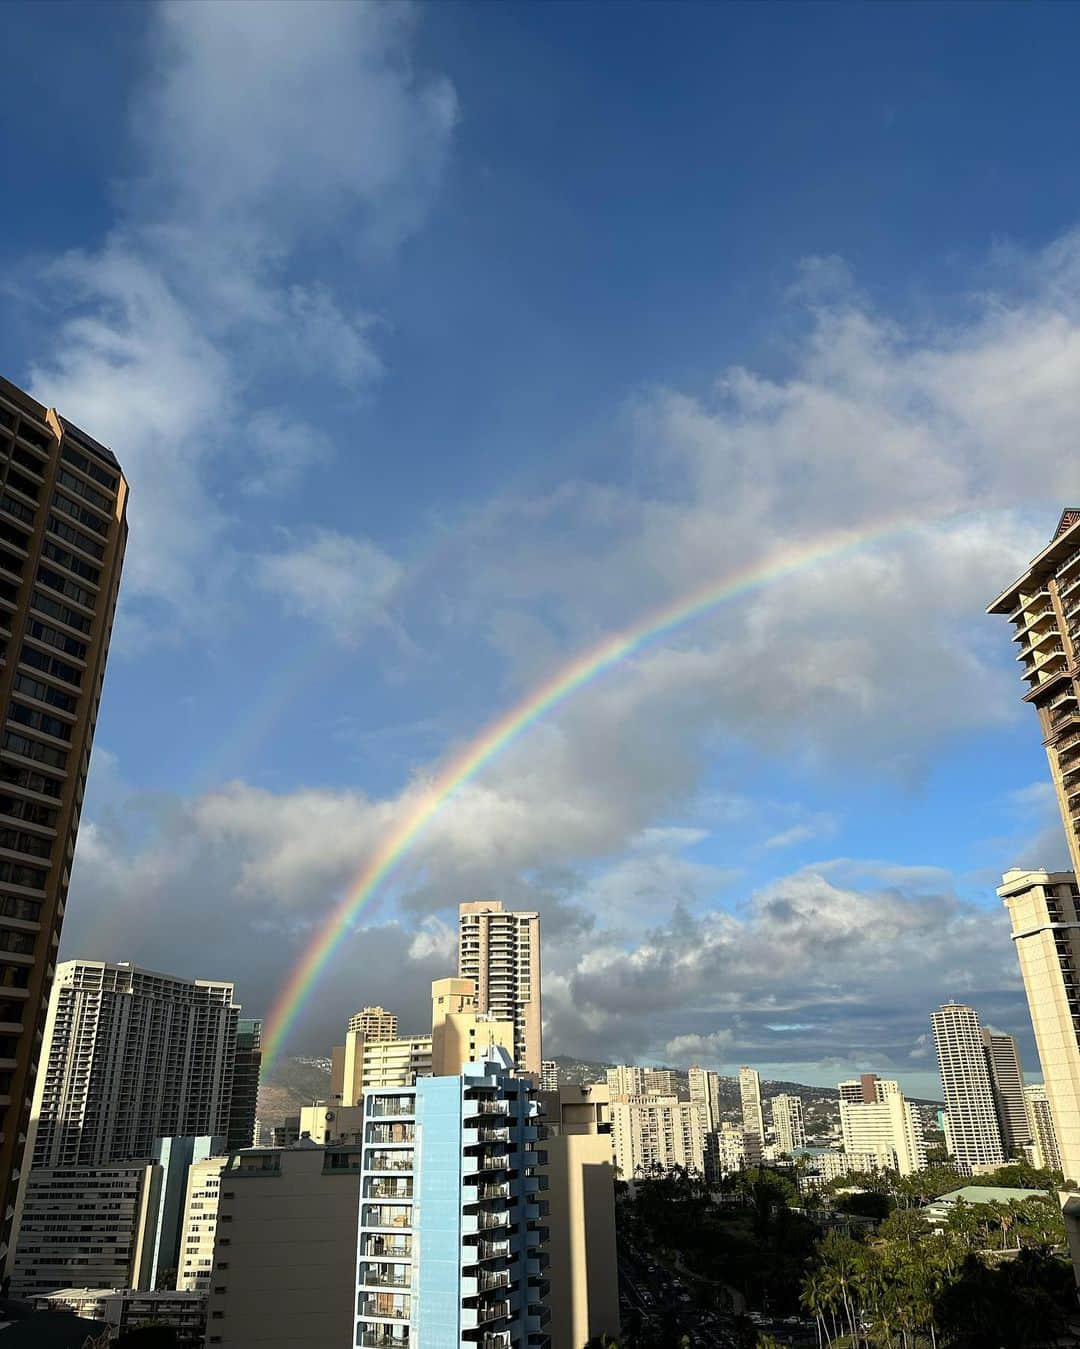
point(497, 735)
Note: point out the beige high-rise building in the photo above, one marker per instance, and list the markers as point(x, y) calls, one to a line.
point(661, 1082)
point(889, 1129)
point(969, 1094)
point(500, 952)
point(199, 1225)
point(1044, 1144)
point(63, 530)
point(285, 1256)
point(581, 1215)
point(459, 1032)
point(657, 1131)
point(752, 1118)
point(861, 1090)
point(1007, 1079)
point(362, 1063)
point(789, 1129)
point(705, 1093)
point(375, 1023)
point(625, 1079)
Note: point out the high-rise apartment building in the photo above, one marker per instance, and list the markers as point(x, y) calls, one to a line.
point(175, 1157)
point(752, 1118)
point(63, 530)
point(500, 952)
point(247, 1062)
point(657, 1131)
point(452, 1234)
point(661, 1082)
point(625, 1079)
point(375, 1023)
point(459, 1033)
point(199, 1224)
point(888, 1129)
point(705, 1093)
point(1044, 909)
point(549, 1075)
point(1007, 1080)
point(788, 1127)
point(362, 1063)
point(87, 1226)
point(860, 1090)
point(969, 1094)
point(129, 1056)
point(1044, 1145)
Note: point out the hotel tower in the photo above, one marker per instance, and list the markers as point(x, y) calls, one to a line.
point(62, 534)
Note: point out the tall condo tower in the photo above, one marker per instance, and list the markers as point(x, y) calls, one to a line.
point(500, 952)
point(752, 1119)
point(130, 1056)
point(63, 531)
point(1007, 1079)
point(969, 1091)
point(247, 1064)
point(788, 1125)
point(375, 1024)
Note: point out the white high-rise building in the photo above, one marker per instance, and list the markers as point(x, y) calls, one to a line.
point(656, 1131)
point(625, 1080)
point(888, 1129)
point(705, 1093)
point(752, 1118)
point(500, 952)
point(969, 1094)
point(199, 1225)
point(788, 1126)
point(1007, 1080)
point(549, 1075)
point(130, 1056)
point(1044, 1144)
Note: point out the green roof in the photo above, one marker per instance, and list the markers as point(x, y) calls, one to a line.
point(986, 1194)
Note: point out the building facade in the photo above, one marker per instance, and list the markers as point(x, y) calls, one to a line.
point(199, 1227)
point(129, 1056)
point(500, 952)
point(656, 1133)
point(860, 1090)
point(549, 1075)
point(361, 1063)
point(752, 1118)
point(789, 1130)
point(626, 1080)
point(91, 1226)
point(974, 1132)
point(1007, 1080)
point(460, 1032)
point(452, 1233)
point(888, 1129)
point(705, 1093)
point(285, 1251)
point(175, 1157)
point(63, 531)
point(1044, 1145)
point(244, 1103)
point(124, 1310)
point(375, 1023)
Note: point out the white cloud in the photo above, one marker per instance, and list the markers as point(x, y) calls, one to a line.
point(343, 583)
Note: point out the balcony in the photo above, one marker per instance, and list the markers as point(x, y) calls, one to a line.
point(392, 1308)
point(385, 1276)
point(388, 1189)
point(399, 1248)
point(488, 1250)
point(492, 1311)
point(383, 1339)
point(376, 1215)
point(393, 1161)
point(383, 1108)
point(391, 1135)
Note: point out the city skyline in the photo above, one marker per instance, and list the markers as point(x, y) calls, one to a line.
point(421, 503)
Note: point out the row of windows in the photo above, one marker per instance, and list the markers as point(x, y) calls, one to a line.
point(27, 460)
point(81, 489)
point(22, 943)
point(74, 536)
point(19, 509)
point(10, 534)
point(11, 1011)
point(45, 693)
point(42, 632)
point(9, 591)
point(63, 613)
point(86, 517)
point(70, 589)
point(88, 466)
point(29, 910)
point(14, 976)
point(50, 665)
point(22, 484)
point(71, 562)
point(33, 749)
point(33, 845)
point(20, 776)
point(12, 561)
point(41, 439)
point(39, 720)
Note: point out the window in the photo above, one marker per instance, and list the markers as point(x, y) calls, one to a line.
point(17, 906)
point(39, 721)
point(70, 561)
point(30, 433)
point(74, 536)
point(26, 459)
point(22, 943)
point(20, 776)
point(33, 749)
point(80, 513)
point(41, 632)
point(59, 669)
point(11, 1012)
point(17, 840)
point(14, 976)
point(89, 467)
point(22, 484)
point(11, 535)
point(45, 693)
point(55, 581)
point(11, 561)
point(19, 509)
point(61, 612)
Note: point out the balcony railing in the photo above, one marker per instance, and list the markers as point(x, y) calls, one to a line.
point(391, 1109)
point(387, 1310)
point(375, 1339)
point(381, 1278)
point(390, 1135)
point(387, 1246)
point(492, 1311)
point(389, 1189)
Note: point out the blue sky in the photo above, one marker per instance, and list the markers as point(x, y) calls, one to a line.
point(440, 341)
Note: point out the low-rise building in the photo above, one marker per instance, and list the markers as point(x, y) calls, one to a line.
point(125, 1309)
point(94, 1222)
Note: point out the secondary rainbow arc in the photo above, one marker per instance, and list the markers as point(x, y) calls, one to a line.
point(497, 735)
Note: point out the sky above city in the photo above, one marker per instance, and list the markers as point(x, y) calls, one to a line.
point(439, 342)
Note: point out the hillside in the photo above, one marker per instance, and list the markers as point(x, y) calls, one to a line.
point(292, 1082)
